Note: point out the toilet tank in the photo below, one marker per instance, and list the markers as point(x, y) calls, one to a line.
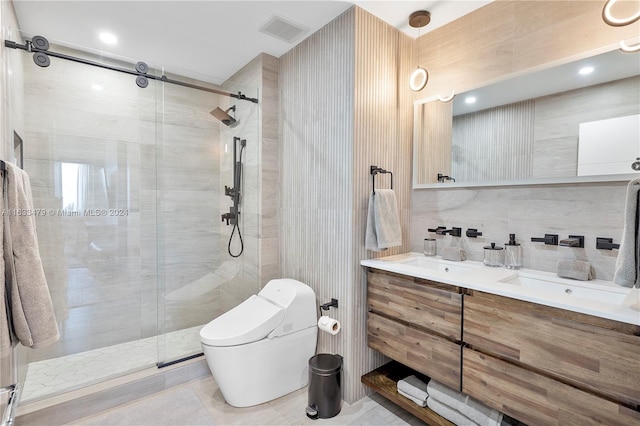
point(297, 299)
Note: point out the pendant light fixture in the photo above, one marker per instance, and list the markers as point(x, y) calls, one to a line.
point(420, 76)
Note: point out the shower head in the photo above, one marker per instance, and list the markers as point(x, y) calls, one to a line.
point(224, 115)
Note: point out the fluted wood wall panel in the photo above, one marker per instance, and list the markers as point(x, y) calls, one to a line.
point(316, 92)
point(341, 112)
point(500, 140)
point(382, 137)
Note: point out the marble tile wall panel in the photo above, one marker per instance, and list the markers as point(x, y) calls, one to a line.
point(558, 119)
point(592, 210)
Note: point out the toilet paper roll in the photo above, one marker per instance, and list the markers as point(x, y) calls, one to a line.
point(329, 325)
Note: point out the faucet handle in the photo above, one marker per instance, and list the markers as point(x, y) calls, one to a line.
point(606, 244)
point(548, 239)
point(473, 233)
point(437, 230)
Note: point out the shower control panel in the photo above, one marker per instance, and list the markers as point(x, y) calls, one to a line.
point(230, 217)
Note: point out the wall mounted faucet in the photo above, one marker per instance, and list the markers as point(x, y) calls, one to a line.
point(548, 239)
point(606, 244)
point(437, 230)
point(473, 233)
point(573, 241)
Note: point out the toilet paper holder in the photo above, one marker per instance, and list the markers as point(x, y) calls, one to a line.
point(326, 306)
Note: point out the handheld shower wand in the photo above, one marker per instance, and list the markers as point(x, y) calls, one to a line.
point(234, 212)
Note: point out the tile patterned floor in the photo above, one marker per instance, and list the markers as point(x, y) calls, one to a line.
point(53, 376)
point(200, 402)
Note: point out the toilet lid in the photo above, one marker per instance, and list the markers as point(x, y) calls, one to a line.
point(248, 322)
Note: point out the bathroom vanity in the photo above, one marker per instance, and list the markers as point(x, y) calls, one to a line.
point(541, 349)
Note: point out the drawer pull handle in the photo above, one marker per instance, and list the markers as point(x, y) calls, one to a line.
point(568, 291)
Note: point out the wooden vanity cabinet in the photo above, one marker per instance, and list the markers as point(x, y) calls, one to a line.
point(537, 399)
point(538, 364)
point(544, 365)
point(417, 323)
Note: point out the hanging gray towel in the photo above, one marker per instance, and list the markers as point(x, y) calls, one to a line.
point(31, 313)
point(628, 263)
point(383, 221)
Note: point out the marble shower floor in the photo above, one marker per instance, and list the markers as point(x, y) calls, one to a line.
point(200, 402)
point(54, 376)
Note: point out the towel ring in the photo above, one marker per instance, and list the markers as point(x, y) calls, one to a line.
point(374, 170)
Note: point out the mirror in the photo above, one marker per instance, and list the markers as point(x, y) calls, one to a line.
point(550, 126)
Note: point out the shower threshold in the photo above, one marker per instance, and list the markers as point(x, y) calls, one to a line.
point(54, 376)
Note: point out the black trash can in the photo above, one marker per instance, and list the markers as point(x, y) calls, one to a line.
point(325, 396)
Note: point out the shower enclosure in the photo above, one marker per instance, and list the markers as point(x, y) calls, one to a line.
point(130, 185)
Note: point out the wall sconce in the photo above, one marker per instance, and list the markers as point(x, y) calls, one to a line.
point(609, 19)
point(449, 98)
point(420, 76)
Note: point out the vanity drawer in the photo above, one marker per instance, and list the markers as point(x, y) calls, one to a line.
point(535, 399)
point(594, 354)
point(434, 356)
point(433, 306)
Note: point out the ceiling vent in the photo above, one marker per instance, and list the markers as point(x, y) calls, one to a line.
point(284, 29)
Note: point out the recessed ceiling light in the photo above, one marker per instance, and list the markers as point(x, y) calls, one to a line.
point(585, 70)
point(96, 87)
point(108, 38)
point(469, 100)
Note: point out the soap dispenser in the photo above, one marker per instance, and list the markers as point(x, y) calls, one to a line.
point(513, 253)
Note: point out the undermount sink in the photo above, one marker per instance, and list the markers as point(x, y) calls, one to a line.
point(549, 287)
point(434, 264)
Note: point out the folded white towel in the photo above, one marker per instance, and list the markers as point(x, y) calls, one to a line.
point(464, 404)
point(383, 221)
point(627, 271)
point(576, 269)
point(418, 401)
point(414, 387)
point(449, 413)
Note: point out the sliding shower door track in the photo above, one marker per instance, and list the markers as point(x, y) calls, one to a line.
point(177, 361)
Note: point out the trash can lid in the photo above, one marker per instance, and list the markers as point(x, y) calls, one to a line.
point(325, 363)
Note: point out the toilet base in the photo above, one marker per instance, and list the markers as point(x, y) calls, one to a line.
point(261, 371)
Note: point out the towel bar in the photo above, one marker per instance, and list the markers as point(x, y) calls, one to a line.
point(374, 170)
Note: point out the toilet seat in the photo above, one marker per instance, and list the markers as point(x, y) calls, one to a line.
point(248, 322)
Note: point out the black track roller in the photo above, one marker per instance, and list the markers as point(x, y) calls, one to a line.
point(41, 59)
point(141, 67)
point(40, 42)
point(142, 81)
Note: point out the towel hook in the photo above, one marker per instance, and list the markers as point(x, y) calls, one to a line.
point(374, 170)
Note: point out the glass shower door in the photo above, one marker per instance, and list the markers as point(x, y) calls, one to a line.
point(197, 277)
point(89, 144)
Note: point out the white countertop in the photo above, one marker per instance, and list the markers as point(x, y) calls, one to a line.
point(599, 298)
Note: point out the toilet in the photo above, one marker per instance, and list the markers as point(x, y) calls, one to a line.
point(260, 350)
